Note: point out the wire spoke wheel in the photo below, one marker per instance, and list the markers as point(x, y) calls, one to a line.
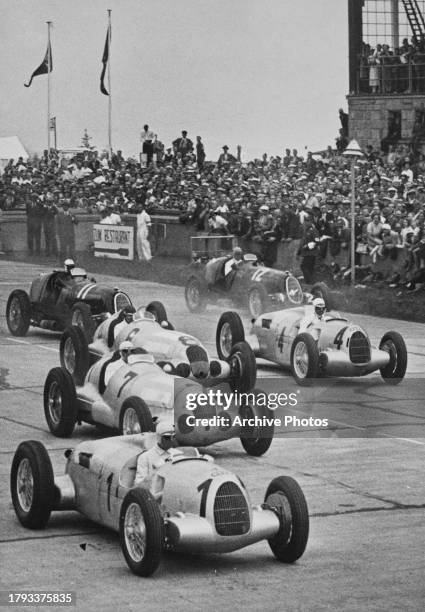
point(193, 295)
point(69, 356)
point(25, 485)
point(226, 339)
point(130, 424)
point(135, 532)
point(301, 360)
point(255, 303)
point(54, 402)
point(15, 314)
point(77, 319)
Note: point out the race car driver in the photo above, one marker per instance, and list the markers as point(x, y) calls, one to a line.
point(231, 266)
point(312, 323)
point(115, 364)
point(124, 318)
point(149, 461)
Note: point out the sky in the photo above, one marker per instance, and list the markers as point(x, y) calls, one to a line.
point(265, 74)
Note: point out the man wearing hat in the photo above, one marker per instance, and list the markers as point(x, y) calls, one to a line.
point(225, 157)
point(148, 462)
point(118, 360)
point(65, 223)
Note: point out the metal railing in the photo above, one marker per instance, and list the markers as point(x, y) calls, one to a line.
point(391, 76)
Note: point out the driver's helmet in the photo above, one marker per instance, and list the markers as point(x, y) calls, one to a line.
point(319, 307)
point(126, 347)
point(69, 264)
point(78, 273)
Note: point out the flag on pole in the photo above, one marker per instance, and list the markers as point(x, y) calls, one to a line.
point(45, 66)
point(105, 58)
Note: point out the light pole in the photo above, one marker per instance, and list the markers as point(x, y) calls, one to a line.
point(353, 151)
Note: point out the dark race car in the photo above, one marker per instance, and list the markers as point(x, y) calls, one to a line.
point(250, 285)
point(59, 299)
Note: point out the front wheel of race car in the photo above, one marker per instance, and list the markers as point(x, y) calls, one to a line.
point(60, 402)
point(321, 290)
point(229, 331)
point(74, 353)
point(32, 484)
point(18, 312)
point(81, 316)
point(195, 294)
point(304, 359)
point(135, 417)
point(393, 343)
point(243, 367)
point(160, 314)
point(258, 300)
point(285, 497)
point(256, 438)
point(142, 532)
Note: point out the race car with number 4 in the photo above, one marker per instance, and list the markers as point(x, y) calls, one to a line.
point(333, 347)
point(199, 508)
point(59, 299)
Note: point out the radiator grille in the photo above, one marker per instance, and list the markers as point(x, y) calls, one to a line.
point(359, 348)
point(231, 513)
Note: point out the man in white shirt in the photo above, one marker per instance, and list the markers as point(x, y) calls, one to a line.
point(125, 349)
point(147, 138)
point(152, 459)
point(312, 323)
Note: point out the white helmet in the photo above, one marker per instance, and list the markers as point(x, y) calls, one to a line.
point(126, 345)
point(320, 302)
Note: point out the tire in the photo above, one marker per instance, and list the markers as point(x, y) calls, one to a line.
point(140, 505)
point(33, 501)
point(323, 291)
point(243, 367)
point(195, 294)
point(229, 331)
point(393, 373)
point(303, 374)
point(158, 311)
point(256, 440)
point(60, 403)
point(18, 312)
point(258, 300)
point(285, 496)
point(81, 316)
point(136, 415)
point(74, 353)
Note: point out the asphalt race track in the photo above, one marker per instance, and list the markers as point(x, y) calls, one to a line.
point(363, 478)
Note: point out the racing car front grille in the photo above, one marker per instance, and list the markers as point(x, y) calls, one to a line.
point(359, 348)
point(231, 513)
point(121, 300)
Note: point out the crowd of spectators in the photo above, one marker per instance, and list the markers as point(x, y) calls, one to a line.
point(383, 70)
point(264, 202)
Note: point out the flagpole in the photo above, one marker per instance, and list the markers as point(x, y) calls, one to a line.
point(109, 88)
point(49, 23)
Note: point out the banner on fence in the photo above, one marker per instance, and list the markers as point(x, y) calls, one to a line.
point(115, 241)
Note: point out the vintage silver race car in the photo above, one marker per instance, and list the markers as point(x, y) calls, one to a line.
point(176, 352)
point(140, 391)
point(335, 347)
point(199, 507)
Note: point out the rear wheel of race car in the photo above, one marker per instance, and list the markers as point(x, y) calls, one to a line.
point(142, 532)
point(258, 300)
point(32, 484)
point(74, 353)
point(81, 316)
point(285, 497)
point(195, 294)
point(243, 367)
point(321, 290)
point(18, 312)
point(135, 417)
point(393, 343)
point(160, 314)
point(304, 359)
point(256, 440)
point(229, 331)
point(60, 402)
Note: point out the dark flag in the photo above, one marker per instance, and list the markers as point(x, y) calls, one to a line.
point(105, 58)
point(44, 66)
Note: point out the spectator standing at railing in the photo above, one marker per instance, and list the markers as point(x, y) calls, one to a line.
point(144, 222)
point(49, 228)
point(65, 223)
point(373, 61)
point(34, 211)
point(308, 249)
point(147, 138)
point(200, 153)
